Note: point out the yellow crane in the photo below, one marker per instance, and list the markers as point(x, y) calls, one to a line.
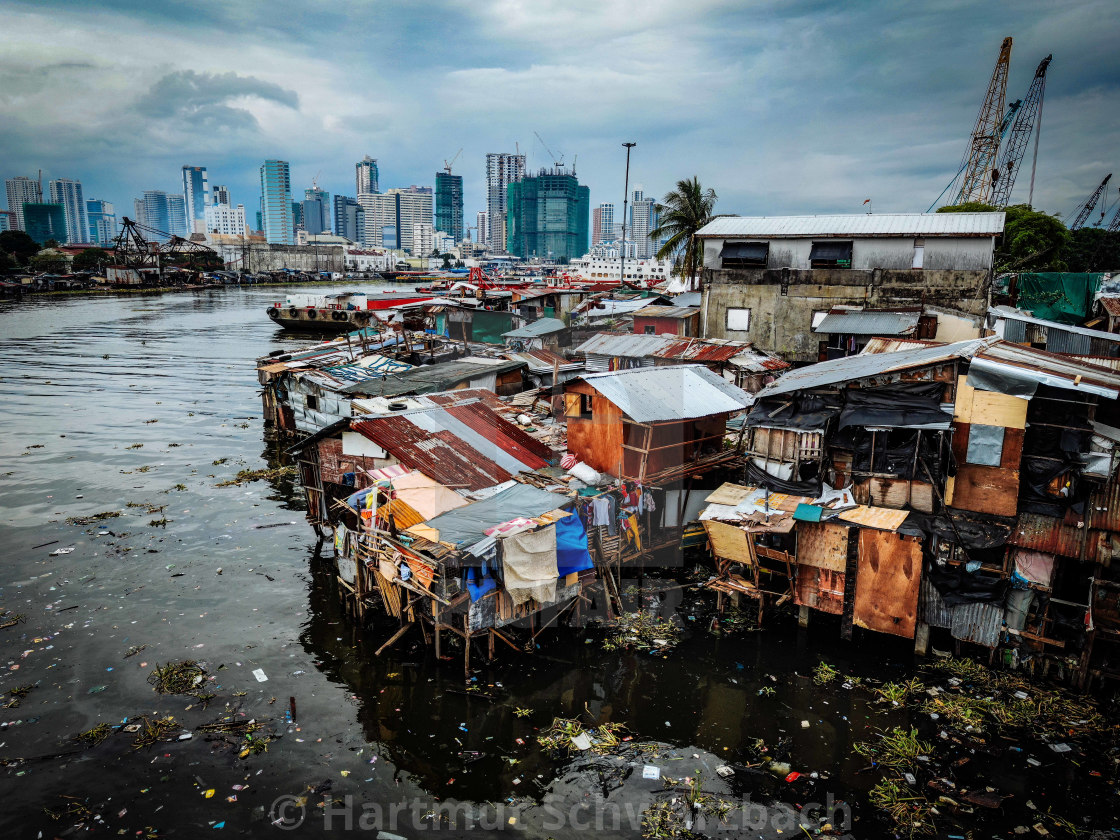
point(983, 146)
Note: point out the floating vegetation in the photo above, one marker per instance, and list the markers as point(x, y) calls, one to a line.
point(10, 619)
point(149, 509)
point(135, 649)
point(96, 735)
point(900, 692)
point(824, 673)
point(179, 487)
point(245, 476)
point(767, 691)
point(641, 632)
point(898, 748)
point(522, 713)
point(219, 461)
point(735, 620)
point(158, 523)
point(911, 814)
point(253, 736)
point(186, 677)
point(71, 809)
point(557, 739)
point(154, 730)
point(149, 422)
point(135, 446)
point(675, 817)
point(96, 517)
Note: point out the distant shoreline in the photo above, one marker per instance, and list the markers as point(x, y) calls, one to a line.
point(152, 290)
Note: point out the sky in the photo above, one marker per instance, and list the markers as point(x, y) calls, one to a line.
point(782, 107)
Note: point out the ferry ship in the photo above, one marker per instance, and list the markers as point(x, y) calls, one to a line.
point(339, 313)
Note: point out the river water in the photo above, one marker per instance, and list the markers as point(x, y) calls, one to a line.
point(141, 405)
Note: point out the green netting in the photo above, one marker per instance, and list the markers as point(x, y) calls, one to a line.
point(488, 326)
point(1061, 296)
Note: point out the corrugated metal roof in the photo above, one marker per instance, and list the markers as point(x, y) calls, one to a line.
point(672, 392)
point(688, 299)
point(1053, 369)
point(675, 312)
point(1047, 533)
point(425, 379)
point(861, 366)
point(542, 326)
point(541, 361)
point(630, 345)
point(669, 347)
point(1008, 314)
point(506, 436)
point(618, 307)
point(1111, 305)
point(861, 322)
point(979, 623)
point(893, 345)
point(441, 456)
point(855, 225)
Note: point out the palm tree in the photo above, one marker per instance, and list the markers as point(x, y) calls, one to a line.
point(680, 215)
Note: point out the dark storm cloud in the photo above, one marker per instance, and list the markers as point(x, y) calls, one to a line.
point(203, 99)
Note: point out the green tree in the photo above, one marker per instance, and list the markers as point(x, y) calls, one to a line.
point(681, 214)
point(1092, 249)
point(7, 262)
point(19, 245)
point(1031, 241)
point(49, 261)
point(51, 243)
point(91, 259)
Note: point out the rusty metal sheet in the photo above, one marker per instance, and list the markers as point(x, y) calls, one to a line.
point(820, 589)
point(441, 456)
point(1047, 533)
point(1105, 508)
point(822, 545)
point(508, 437)
point(890, 571)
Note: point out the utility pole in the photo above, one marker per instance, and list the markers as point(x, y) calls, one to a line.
point(625, 199)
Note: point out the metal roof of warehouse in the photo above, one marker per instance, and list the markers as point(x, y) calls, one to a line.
point(640, 346)
point(855, 225)
point(677, 312)
point(672, 392)
point(861, 322)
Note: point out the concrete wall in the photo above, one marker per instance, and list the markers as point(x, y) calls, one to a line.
point(892, 253)
point(782, 302)
point(260, 256)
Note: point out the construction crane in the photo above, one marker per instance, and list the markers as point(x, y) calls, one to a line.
point(1027, 118)
point(1085, 209)
point(983, 147)
point(448, 163)
point(1004, 124)
point(559, 163)
point(1114, 225)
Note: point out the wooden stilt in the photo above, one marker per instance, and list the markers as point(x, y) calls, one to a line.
point(435, 630)
point(394, 638)
point(921, 639)
point(490, 645)
point(802, 616)
point(467, 656)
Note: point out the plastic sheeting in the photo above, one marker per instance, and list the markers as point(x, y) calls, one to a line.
point(806, 412)
point(960, 587)
point(571, 546)
point(972, 530)
point(1062, 296)
point(466, 525)
point(904, 404)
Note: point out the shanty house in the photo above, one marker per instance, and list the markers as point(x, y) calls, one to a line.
point(681, 321)
point(767, 278)
point(651, 424)
point(543, 334)
point(960, 486)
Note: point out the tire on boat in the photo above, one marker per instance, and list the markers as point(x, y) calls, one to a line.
point(338, 316)
point(312, 314)
point(293, 312)
point(273, 312)
point(361, 318)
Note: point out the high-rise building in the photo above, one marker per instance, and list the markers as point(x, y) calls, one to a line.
point(22, 190)
point(414, 208)
point(366, 175)
point(324, 219)
point(501, 171)
point(449, 205)
point(68, 193)
point(379, 210)
point(221, 195)
point(221, 218)
point(548, 216)
point(297, 216)
point(45, 221)
point(423, 239)
point(196, 191)
point(482, 227)
point(177, 220)
point(153, 211)
point(349, 218)
point(7, 220)
point(260, 222)
point(311, 215)
point(276, 203)
point(102, 221)
point(602, 223)
point(641, 223)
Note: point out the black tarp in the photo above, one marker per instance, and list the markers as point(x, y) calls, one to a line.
point(760, 478)
point(957, 586)
point(902, 404)
point(799, 411)
point(971, 530)
point(894, 452)
point(1057, 435)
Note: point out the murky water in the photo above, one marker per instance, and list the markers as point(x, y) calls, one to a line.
point(142, 405)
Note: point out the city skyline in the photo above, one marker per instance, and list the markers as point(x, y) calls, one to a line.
point(875, 117)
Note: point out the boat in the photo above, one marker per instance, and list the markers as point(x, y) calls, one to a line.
point(342, 312)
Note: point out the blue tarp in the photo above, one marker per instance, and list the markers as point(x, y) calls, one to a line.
point(571, 546)
point(478, 582)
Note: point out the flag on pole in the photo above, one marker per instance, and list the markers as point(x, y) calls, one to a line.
point(867, 201)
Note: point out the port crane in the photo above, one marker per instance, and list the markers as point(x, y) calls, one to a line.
point(983, 146)
point(1114, 225)
point(448, 163)
point(1086, 208)
point(1028, 120)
